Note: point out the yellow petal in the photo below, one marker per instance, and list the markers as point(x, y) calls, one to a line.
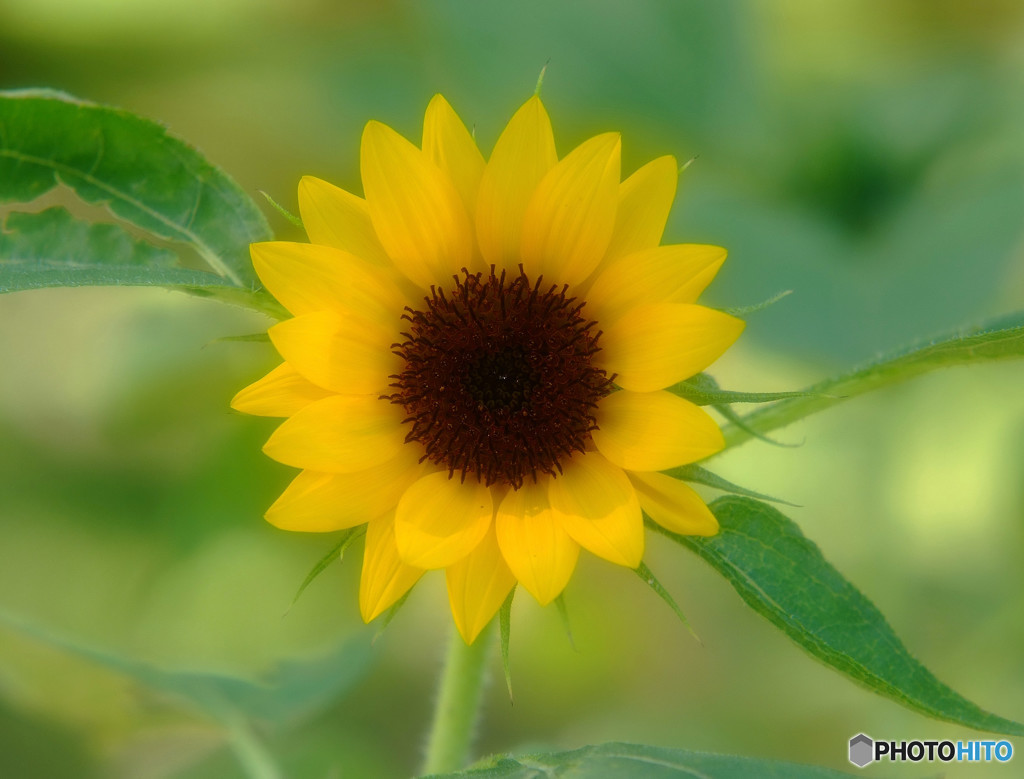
point(441, 520)
point(280, 393)
point(307, 277)
point(524, 153)
point(664, 274)
point(653, 431)
point(321, 502)
point(657, 345)
point(416, 211)
point(334, 217)
point(385, 578)
point(349, 354)
point(448, 143)
point(339, 434)
point(595, 503)
point(571, 215)
point(538, 551)
point(645, 199)
point(674, 505)
point(477, 586)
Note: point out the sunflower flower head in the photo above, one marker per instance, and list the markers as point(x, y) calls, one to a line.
point(477, 362)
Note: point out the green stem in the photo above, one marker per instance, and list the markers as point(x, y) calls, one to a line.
point(458, 702)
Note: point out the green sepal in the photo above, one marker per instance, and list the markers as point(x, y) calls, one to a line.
point(702, 390)
point(735, 419)
point(505, 625)
point(651, 581)
point(282, 210)
point(540, 79)
point(563, 613)
point(336, 553)
point(698, 475)
point(390, 615)
point(753, 309)
point(263, 337)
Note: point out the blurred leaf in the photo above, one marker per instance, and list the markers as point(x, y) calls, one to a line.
point(144, 176)
point(1000, 339)
point(783, 576)
point(703, 390)
point(32, 745)
point(298, 687)
point(636, 761)
point(294, 689)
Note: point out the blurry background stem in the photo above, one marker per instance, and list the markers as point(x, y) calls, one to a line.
point(256, 760)
point(458, 701)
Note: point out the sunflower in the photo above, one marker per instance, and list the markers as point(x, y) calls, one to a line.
point(477, 362)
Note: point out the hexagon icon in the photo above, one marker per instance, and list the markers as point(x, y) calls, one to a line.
point(862, 750)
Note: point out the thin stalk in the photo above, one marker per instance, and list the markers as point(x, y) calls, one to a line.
point(458, 703)
point(255, 758)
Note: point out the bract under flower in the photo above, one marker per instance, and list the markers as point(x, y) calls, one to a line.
point(477, 360)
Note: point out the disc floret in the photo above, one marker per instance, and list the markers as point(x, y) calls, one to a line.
point(498, 382)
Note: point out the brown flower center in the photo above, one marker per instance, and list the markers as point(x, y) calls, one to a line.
point(498, 381)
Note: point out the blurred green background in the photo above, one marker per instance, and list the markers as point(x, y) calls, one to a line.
point(867, 155)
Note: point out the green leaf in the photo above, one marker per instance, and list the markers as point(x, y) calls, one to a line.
point(636, 761)
point(52, 248)
point(145, 177)
point(784, 577)
point(999, 339)
point(291, 691)
point(299, 687)
point(703, 390)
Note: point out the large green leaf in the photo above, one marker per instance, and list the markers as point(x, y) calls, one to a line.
point(784, 577)
point(636, 761)
point(999, 339)
point(52, 248)
point(145, 177)
point(291, 691)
